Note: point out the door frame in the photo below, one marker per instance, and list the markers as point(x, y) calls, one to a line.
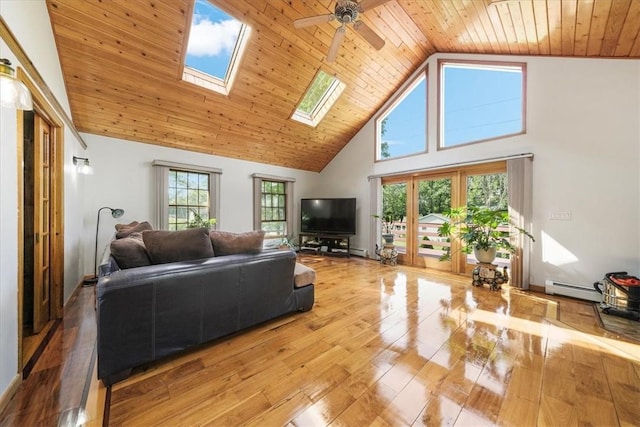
point(459, 176)
point(46, 112)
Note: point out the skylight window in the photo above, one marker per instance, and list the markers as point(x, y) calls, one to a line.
point(216, 42)
point(318, 99)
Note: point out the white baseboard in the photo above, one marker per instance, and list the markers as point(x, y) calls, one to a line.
point(358, 252)
point(569, 290)
point(10, 391)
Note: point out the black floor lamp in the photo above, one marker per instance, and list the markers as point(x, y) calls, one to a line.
point(116, 213)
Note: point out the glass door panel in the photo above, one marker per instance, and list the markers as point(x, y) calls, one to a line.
point(433, 200)
point(490, 191)
point(394, 215)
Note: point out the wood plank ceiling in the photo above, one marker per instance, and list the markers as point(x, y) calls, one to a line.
point(121, 61)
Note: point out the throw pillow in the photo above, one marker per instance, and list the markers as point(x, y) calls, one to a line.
point(182, 245)
point(226, 243)
point(120, 227)
point(130, 252)
point(138, 228)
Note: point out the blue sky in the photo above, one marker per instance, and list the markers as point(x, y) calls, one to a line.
point(212, 39)
point(479, 104)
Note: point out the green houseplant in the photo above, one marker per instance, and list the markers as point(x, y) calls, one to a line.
point(196, 221)
point(478, 230)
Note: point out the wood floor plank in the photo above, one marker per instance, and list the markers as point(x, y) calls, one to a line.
point(382, 346)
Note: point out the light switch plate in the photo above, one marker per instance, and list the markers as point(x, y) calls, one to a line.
point(560, 216)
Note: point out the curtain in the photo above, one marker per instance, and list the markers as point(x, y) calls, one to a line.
point(257, 200)
point(161, 175)
point(519, 178)
point(375, 207)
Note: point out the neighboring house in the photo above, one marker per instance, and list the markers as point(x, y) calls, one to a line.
point(582, 127)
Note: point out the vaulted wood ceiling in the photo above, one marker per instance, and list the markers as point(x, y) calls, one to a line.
point(121, 61)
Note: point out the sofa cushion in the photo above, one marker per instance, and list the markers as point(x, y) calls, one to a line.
point(182, 245)
point(130, 252)
point(226, 243)
point(303, 275)
point(138, 228)
point(120, 227)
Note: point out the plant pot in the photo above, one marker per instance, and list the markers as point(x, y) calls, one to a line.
point(485, 255)
point(388, 238)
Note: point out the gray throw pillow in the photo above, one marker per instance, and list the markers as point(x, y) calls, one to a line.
point(138, 228)
point(130, 252)
point(182, 245)
point(226, 243)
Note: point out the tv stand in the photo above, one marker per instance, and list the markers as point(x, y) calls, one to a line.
point(326, 243)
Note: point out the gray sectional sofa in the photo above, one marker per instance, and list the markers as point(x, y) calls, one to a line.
point(152, 311)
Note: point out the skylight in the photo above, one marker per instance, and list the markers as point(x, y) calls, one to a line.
point(318, 99)
point(216, 41)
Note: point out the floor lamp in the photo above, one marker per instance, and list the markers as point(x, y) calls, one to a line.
point(116, 213)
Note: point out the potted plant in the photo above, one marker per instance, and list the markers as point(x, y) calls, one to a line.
point(196, 221)
point(477, 229)
point(388, 223)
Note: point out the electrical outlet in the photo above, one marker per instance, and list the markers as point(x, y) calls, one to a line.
point(560, 216)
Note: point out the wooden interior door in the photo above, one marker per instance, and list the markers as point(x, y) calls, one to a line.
point(42, 224)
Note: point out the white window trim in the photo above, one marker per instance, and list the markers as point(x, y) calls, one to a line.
point(161, 172)
point(325, 103)
point(257, 199)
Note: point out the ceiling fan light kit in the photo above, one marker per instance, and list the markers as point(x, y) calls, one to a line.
point(346, 12)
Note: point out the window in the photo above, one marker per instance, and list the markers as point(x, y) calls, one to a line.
point(273, 208)
point(186, 195)
point(216, 42)
point(318, 99)
point(188, 199)
point(402, 129)
point(480, 101)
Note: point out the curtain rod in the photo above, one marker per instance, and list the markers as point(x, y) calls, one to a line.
point(449, 165)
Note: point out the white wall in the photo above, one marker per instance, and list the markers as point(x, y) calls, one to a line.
point(123, 178)
point(36, 38)
point(582, 126)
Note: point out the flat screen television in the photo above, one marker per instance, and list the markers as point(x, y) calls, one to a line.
point(330, 216)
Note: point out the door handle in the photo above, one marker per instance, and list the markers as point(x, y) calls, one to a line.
point(37, 238)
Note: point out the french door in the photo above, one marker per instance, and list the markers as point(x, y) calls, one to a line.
point(42, 224)
point(418, 203)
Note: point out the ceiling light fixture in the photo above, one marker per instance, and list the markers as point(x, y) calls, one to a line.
point(82, 165)
point(13, 93)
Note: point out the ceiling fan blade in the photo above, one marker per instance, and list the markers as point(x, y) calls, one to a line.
point(370, 4)
point(369, 35)
point(335, 44)
point(313, 20)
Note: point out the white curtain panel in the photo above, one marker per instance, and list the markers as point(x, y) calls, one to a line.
point(375, 206)
point(519, 178)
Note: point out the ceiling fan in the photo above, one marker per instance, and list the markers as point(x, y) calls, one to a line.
point(346, 12)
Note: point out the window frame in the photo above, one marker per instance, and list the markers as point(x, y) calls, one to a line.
point(415, 80)
point(161, 173)
point(257, 205)
point(477, 64)
point(326, 101)
point(200, 78)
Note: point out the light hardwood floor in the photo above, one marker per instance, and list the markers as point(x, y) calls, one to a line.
point(384, 346)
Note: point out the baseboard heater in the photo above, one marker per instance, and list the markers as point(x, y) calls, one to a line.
point(574, 291)
point(359, 252)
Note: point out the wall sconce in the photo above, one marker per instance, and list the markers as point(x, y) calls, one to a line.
point(82, 165)
point(13, 93)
